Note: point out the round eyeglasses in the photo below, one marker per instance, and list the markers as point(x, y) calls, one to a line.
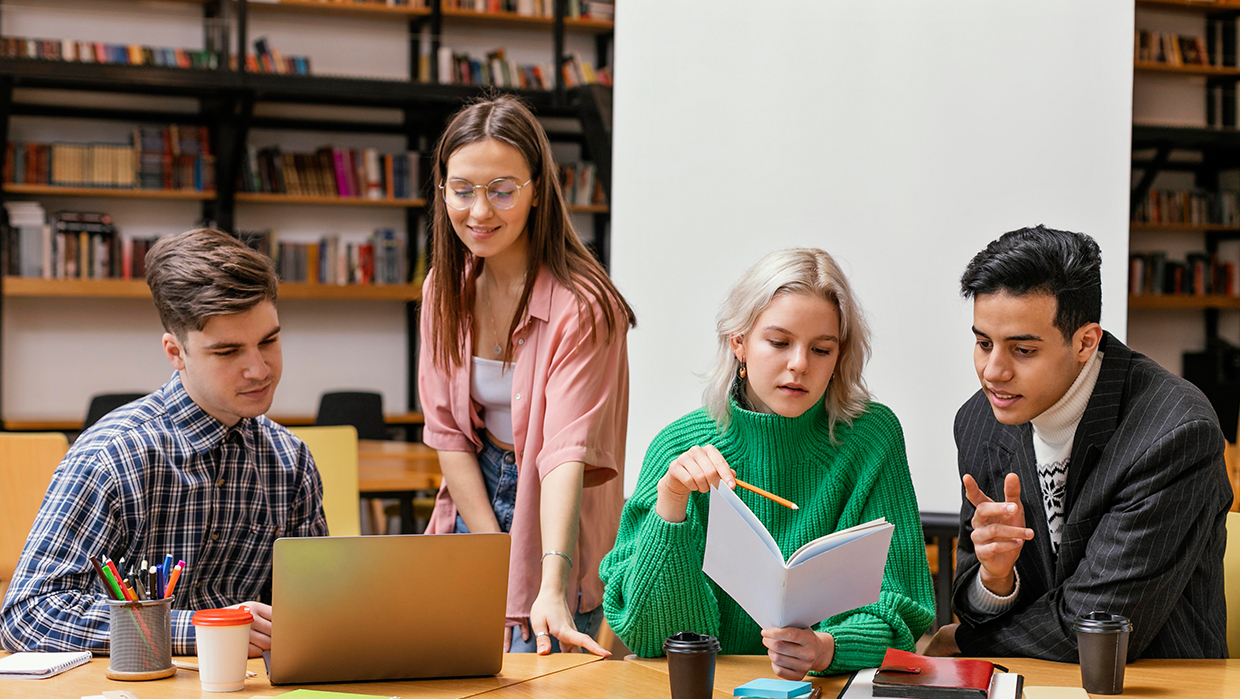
point(501, 192)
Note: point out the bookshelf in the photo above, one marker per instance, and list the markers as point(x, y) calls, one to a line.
point(1190, 302)
point(230, 104)
point(27, 287)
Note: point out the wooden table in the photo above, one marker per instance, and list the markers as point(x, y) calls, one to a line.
point(1200, 679)
point(75, 424)
point(89, 679)
point(397, 470)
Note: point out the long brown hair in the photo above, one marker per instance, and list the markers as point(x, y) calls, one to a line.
point(552, 240)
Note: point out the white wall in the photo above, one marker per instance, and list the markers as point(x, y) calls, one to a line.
point(899, 136)
point(58, 352)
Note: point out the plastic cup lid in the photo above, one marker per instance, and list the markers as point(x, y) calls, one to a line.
point(222, 617)
point(690, 642)
point(1102, 621)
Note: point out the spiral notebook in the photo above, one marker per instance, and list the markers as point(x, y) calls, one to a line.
point(39, 666)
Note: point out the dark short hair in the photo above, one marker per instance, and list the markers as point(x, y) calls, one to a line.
point(1042, 260)
point(203, 273)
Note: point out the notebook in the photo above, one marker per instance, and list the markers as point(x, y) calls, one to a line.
point(1003, 685)
point(39, 666)
point(905, 674)
point(829, 575)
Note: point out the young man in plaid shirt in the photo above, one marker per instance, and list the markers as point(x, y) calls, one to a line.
point(194, 469)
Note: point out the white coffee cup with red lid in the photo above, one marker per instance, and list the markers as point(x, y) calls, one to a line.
point(223, 647)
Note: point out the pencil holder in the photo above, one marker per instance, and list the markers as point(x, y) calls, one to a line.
point(140, 640)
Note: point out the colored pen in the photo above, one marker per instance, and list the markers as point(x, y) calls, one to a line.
point(117, 578)
point(154, 588)
point(113, 588)
point(94, 561)
point(172, 581)
point(166, 568)
point(140, 588)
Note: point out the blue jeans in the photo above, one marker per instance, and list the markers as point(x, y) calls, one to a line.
point(499, 473)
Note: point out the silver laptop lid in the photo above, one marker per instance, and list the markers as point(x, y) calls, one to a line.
point(388, 607)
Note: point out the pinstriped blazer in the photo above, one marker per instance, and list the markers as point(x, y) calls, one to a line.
point(1146, 503)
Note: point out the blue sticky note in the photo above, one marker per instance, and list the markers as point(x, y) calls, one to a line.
point(772, 689)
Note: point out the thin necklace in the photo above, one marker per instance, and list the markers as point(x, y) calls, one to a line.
point(498, 349)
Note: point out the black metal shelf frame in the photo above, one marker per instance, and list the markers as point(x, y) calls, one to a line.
point(227, 100)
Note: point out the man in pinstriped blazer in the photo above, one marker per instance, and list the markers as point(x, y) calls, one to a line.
point(1093, 478)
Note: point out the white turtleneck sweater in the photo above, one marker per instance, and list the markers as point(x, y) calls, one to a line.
point(1053, 433)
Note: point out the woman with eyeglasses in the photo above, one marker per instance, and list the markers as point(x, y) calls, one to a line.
point(523, 374)
point(787, 411)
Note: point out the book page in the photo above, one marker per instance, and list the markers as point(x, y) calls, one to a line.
point(845, 577)
point(830, 541)
point(743, 559)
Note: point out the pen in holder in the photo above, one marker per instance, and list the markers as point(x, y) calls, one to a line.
point(140, 643)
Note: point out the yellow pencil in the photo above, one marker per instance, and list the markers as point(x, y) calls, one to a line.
point(769, 496)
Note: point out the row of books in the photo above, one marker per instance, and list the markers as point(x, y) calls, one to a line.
point(72, 245)
point(578, 72)
point(381, 259)
point(1200, 274)
point(268, 59)
point(1172, 49)
point(99, 52)
point(500, 71)
point(580, 184)
point(331, 172)
point(155, 158)
point(1198, 207)
point(595, 9)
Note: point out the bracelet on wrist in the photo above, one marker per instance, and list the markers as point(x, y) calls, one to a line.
point(561, 554)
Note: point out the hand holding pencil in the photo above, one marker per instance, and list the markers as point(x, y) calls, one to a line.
point(698, 470)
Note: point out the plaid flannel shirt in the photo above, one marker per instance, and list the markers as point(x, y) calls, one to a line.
point(160, 476)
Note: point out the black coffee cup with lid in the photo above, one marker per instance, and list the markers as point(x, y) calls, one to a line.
point(691, 664)
point(1102, 644)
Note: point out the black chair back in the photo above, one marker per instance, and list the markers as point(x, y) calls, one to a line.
point(361, 409)
point(105, 403)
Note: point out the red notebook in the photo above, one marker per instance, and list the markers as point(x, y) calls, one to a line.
point(905, 674)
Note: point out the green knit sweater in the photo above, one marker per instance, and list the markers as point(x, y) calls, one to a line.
point(655, 584)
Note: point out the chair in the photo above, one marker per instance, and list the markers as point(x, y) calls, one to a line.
point(27, 462)
point(361, 409)
point(105, 403)
point(1231, 583)
point(335, 453)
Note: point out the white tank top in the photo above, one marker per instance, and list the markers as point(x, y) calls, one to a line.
point(491, 386)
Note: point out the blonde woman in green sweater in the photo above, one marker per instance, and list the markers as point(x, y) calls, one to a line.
point(786, 410)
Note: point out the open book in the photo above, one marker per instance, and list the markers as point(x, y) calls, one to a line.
point(829, 575)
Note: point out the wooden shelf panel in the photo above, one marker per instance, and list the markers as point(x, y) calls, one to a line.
point(1184, 302)
point(54, 191)
point(373, 9)
point(137, 289)
point(265, 198)
point(1206, 71)
point(1184, 227)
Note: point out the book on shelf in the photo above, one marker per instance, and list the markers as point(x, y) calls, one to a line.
point(157, 157)
point(268, 59)
point(578, 72)
point(1194, 207)
point(496, 70)
point(331, 172)
point(1200, 274)
point(379, 259)
point(536, 8)
point(69, 245)
point(380, 3)
point(580, 185)
point(1171, 49)
point(113, 54)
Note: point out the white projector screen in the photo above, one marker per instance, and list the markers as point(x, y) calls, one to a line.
point(901, 137)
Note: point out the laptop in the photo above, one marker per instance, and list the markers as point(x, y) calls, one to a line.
point(354, 608)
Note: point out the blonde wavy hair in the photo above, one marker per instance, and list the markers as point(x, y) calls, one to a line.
point(793, 271)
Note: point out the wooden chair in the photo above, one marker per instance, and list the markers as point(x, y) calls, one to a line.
point(27, 462)
point(335, 453)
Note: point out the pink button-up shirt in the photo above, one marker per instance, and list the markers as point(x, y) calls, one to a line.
point(570, 402)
